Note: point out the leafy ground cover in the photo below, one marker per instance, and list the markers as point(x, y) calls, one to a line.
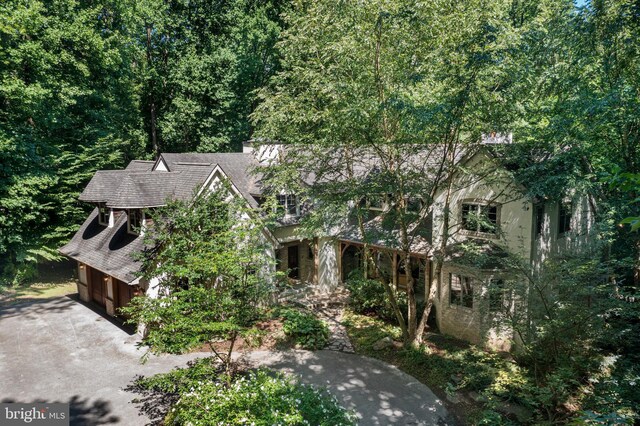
point(448, 366)
point(201, 395)
point(307, 331)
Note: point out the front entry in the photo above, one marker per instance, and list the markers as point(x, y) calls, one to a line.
point(98, 290)
point(293, 262)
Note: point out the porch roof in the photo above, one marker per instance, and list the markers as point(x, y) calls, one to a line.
point(382, 235)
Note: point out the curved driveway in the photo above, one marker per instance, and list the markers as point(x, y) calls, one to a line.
point(60, 350)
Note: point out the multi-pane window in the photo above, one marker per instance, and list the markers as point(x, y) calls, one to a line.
point(564, 218)
point(103, 214)
point(497, 296)
point(460, 290)
point(288, 204)
point(480, 217)
point(134, 221)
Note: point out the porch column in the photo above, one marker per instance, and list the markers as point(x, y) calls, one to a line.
point(83, 283)
point(109, 305)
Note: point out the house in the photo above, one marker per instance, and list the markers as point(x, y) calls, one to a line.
point(106, 243)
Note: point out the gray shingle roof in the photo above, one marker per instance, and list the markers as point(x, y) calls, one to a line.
point(140, 165)
point(385, 235)
point(153, 189)
point(109, 250)
point(104, 183)
point(237, 166)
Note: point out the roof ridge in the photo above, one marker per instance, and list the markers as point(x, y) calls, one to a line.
point(188, 163)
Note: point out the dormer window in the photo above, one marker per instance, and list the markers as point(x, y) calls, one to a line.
point(289, 204)
point(103, 214)
point(479, 217)
point(134, 221)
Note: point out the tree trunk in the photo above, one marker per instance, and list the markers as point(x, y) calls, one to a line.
point(152, 103)
point(412, 321)
point(440, 258)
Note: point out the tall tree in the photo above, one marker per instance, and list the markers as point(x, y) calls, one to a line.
point(67, 108)
point(200, 63)
point(370, 94)
point(207, 262)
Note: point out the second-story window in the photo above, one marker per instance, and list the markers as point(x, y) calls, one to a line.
point(289, 205)
point(134, 221)
point(480, 217)
point(103, 214)
point(564, 218)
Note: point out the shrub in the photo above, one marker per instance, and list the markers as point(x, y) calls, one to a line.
point(369, 297)
point(179, 379)
point(261, 398)
point(306, 330)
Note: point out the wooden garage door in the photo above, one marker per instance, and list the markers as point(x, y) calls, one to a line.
point(98, 290)
point(125, 294)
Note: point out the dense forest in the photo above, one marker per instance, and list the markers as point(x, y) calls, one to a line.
point(92, 84)
point(89, 85)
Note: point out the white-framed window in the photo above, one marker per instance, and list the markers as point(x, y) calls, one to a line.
point(460, 290)
point(479, 217)
point(288, 203)
point(134, 221)
point(103, 214)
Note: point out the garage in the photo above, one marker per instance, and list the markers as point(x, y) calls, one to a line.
point(97, 287)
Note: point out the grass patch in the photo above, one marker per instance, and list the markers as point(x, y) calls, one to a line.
point(54, 280)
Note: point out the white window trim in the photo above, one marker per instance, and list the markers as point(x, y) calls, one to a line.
point(131, 230)
point(481, 203)
point(100, 215)
point(286, 205)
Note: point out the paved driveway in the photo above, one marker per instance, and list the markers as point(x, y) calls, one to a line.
point(59, 350)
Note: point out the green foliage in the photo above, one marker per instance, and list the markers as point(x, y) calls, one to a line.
point(77, 82)
point(200, 62)
point(180, 380)
point(261, 398)
point(67, 106)
point(305, 329)
point(211, 282)
point(369, 296)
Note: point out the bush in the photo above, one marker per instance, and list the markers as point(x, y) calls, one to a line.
point(369, 297)
point(306, 330)
point(180, 379)
point(261, 398)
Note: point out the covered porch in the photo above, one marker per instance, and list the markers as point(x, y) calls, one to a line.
point(386, 264)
